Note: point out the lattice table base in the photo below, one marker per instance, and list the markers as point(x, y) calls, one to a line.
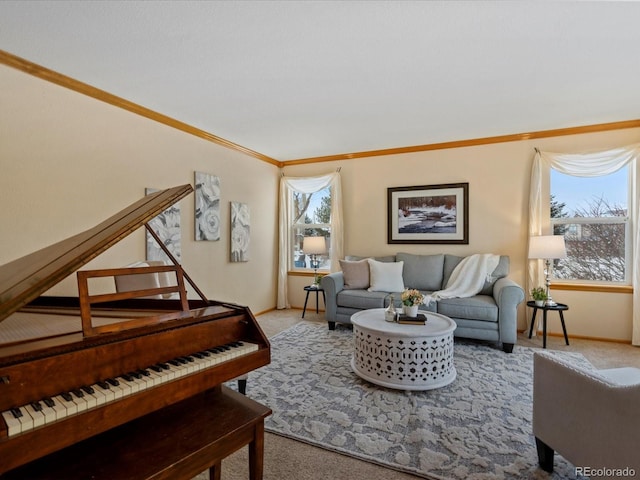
point(405, 357)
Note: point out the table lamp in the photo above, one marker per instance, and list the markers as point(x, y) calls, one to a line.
point(314, 246)
point(547, 247)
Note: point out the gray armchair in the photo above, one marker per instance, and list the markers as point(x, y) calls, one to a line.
point(588, 416)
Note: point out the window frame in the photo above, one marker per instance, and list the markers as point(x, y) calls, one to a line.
point(625, 220)
point(294, 229)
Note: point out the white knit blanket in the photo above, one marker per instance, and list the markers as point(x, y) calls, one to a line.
point(468, 278)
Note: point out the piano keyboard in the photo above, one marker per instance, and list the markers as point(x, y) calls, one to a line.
point(52, 409)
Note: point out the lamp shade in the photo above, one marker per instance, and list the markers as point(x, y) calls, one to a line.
point(547, 246)
point(314, 245)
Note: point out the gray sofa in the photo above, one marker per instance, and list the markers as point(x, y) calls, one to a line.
point(491, 315)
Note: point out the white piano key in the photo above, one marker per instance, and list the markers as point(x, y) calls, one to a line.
point(89, 397)
point(26, 422)
point(50, 414)
point(126, 387)
point(140, 383)
point(98, 396)
point(107, 393)
point(118, 390)
point(36, 415)
point(156, 376)
point(81, 402)
point(14, 426)
point(69, 407)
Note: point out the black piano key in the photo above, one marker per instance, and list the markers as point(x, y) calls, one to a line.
point(49, 402)
point(137, 375)
point(127, 377)
point(103, 385)
point(78, 393)
point(144, 373)
point(164, 366)
point(67, 396)
point(113, 381)
point(16, 412)
point(174, 362)
point(88, 389)
point(156, 368)
point(37, 406)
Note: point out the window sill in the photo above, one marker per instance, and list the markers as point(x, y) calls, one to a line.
point(586, 287)
point(304, 273)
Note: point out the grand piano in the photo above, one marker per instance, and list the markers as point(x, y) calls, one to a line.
point(73, 368)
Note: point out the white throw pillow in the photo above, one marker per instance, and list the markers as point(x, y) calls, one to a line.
point(385, 276)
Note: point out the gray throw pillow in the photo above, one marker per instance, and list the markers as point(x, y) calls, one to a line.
point(356, 274)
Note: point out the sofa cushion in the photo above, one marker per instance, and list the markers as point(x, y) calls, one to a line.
point(422, 272)
point(480, 307)
point(385, 276)
point(501, 270)
point(361, 299)
point(356, 274)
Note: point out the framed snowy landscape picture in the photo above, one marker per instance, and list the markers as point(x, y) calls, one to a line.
point(428, 214)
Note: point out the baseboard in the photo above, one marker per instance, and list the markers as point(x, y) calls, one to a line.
point(579, 337)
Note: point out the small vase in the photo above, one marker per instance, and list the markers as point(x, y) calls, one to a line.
point(390, 312)
point(410, 311)
point(539, 303)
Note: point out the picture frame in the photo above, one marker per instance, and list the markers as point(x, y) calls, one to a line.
point(428, 214)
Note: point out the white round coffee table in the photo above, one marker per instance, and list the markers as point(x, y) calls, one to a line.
point(405, 357)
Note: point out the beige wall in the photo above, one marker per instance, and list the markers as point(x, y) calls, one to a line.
point(498, 177)
point(68, 161)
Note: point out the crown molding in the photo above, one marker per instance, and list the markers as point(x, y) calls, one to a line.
point(67, 82)
point(516, 137)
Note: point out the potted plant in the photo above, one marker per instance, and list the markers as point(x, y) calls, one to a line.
point(539, 295)
point(411, 299)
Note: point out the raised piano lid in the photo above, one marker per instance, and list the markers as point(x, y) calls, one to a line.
point(26, 278)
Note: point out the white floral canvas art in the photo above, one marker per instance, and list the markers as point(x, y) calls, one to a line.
point(167, 227)
point(240, 230)
point(207, 209)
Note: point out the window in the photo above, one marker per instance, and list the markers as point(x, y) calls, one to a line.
point(593, 215)
point(311, 216)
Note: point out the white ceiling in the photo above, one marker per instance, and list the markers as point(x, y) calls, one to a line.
point(299, 79)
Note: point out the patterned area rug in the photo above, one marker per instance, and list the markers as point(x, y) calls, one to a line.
point(478, 427)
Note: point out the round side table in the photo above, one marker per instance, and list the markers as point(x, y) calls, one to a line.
point(558, 307)
point(310, 289)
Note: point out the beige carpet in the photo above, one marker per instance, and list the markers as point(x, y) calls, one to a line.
point(287, 459)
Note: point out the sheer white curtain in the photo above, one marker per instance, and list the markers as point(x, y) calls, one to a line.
point(592, 164)
point(306, 185)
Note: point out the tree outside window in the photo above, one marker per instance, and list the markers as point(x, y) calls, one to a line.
point(592, 215)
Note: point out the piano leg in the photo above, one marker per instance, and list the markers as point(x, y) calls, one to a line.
point(242, 385)
point(256, 452)
point(215, 472)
